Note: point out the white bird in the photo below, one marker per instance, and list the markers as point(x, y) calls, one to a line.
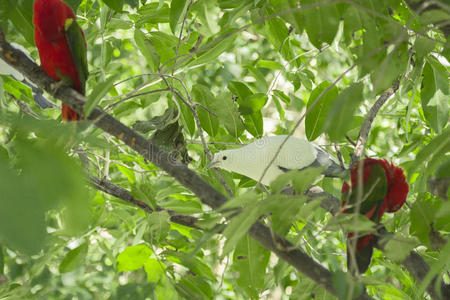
point(296, 154)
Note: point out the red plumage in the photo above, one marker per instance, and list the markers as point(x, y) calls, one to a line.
point(56, 56)
point(393, 200)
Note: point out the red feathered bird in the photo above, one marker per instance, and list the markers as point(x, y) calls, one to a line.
point(384, 188)
point(62, 47)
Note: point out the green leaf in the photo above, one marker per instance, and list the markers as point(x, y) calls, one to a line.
point(423, 46)
point(278, 107)
point(347, 222)
point(177, 11)
point(276, 30)
point(194, 264)
point(250, 260)
point(153, 13)
point(253, 104)
point(337, 121)
point(282, 96)
point(115, 4)
point(99, 92)
point(133, 257)
point(184, 207)
point(213, 49)
point(422, 216)
point(74, 259)
point(268, 64)
point(436, 148)
point(154, 270)
point(390, 68)
point(197, 285)
point(26, 194)
point(227, 114)
point(20, 14)
point(399, 246)
point(147, 49)
point(321, 23)
point(254, 124)
point(202, 95)
point(128, 173)
point(188, 118)
point(300, 180)
point(317, 117)
point(240, 224)
point(434, 94)
point(346, 287)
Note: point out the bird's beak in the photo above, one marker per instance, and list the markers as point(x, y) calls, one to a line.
point(212, 164)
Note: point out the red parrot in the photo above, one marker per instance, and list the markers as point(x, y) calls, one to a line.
point(384, 189)
point(62, 47)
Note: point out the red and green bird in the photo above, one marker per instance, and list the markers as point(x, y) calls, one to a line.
point(62, 47)
point(384, 188)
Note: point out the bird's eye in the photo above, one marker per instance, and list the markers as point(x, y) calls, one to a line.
point(224, 157)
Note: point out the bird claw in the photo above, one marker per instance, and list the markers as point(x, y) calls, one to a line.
point(54, 87)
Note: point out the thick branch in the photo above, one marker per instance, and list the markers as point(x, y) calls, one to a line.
point(203, 190)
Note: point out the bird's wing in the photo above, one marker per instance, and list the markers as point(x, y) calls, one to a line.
point(77, 44)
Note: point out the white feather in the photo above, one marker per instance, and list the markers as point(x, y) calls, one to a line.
point(252, 159)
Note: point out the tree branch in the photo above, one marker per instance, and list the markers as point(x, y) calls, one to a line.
point(121, 193)
point(367, 125)
point(203, 190)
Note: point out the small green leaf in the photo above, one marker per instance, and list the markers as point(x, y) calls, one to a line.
point(276, 30)
point(321, 23)
point(422, 215)
point(20, 14)
point(317, 117)
point(99, 92)
point(154, 270)
point(399, 246)
point(213, 49)
point(343, 284)
point(337, 121)
point(115, 4)
point(268, 64)
point(250, 261)
point(202, 95)
point(128, 173)
point(177, 11)
point(253, 104)
point(184, 207)
point(227, 113)
point(390, 68)
point(133, 257)
point(423, 46)
point(436, 148)
point(147, 49)
point(74, 259)
point(282, 96)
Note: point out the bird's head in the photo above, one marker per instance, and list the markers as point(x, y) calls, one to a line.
point(223, 159)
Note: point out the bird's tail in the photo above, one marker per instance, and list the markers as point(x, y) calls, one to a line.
point(335, 170)
point(69, 114)
point(363, 252)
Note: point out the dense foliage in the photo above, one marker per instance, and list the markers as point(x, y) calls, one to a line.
point(191, 74)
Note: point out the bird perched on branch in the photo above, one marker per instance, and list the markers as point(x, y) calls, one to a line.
point(62, 47)
point(384, 188)
point(296, 154)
